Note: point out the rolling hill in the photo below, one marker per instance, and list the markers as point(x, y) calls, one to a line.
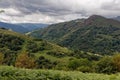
point(96, 34)
point(13, 44)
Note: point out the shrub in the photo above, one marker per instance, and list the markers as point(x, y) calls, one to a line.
point(116, 61)
point(24, 61)
point(105, 65)
point(80, 64)
point(1, 58)
point(44, 63)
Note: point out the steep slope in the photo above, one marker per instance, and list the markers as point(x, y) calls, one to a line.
point(95, 34)
point(55, 32)
point(16, 28)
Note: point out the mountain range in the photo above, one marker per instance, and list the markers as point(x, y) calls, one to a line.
point(22, 27)
point(13, 27)
point(117, 18)
point(32, 26)
point(95, 34)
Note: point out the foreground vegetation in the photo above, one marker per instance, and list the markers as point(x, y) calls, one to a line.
point(11, 73)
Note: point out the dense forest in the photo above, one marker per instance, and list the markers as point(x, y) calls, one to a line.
point(96, 34)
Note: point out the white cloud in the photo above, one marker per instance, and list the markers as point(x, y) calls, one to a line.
point(53, 11)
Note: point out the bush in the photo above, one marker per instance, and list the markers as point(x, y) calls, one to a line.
point(44, 63)
point(56, 54)
point(106, 65)
point(116, 61)
point(80, 64)
point(24, 61)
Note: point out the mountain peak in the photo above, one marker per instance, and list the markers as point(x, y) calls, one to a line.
point(96, 16)
point(93, 18)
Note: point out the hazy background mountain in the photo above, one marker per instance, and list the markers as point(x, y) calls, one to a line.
point(22, 27)
point(32, 26)
point(14, 27)
point(117, 18)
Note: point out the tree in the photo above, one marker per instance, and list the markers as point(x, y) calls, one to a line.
point(105, 65)
point(83, 65)
point(1, 11)
point(74, 64)
point(24, 61)
point(116, 61)
point(44, 63)
point(1, 58)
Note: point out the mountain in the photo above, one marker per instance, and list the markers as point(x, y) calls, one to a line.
point(117, 18)
point(32, 26)
point(96, 34)
point(16, 28)
point(56, 31)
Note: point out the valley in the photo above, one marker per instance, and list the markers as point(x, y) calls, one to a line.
point(75, 50)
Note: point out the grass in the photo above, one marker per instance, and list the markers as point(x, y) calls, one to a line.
point(11, 73)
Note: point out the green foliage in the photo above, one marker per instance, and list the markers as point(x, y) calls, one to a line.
point(82, 65)
point(11, 73)
point(106, 65)
point(8, 40)
point(116, 61)
point(14, 44)
point(26, 52)
point(24, 61)
point(1, 58)
point(81, 54)
point(45, 63)
point(56, 54)
point(32, 47)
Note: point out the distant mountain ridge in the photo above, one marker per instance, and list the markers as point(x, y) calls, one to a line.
point(16, 28)
point(96, 34)
point(117, 18)
point(22, 27)
point(32, 26)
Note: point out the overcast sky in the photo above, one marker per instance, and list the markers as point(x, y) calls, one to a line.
point(53, 11)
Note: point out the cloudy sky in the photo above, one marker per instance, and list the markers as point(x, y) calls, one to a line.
point(53, 11)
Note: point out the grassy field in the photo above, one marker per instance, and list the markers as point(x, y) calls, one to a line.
point(11, 73)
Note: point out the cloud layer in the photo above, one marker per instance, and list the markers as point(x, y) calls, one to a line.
point(53, 11)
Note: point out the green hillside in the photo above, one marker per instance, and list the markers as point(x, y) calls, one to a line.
point(13, 44)
point(26, 52)
point(95, 34)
